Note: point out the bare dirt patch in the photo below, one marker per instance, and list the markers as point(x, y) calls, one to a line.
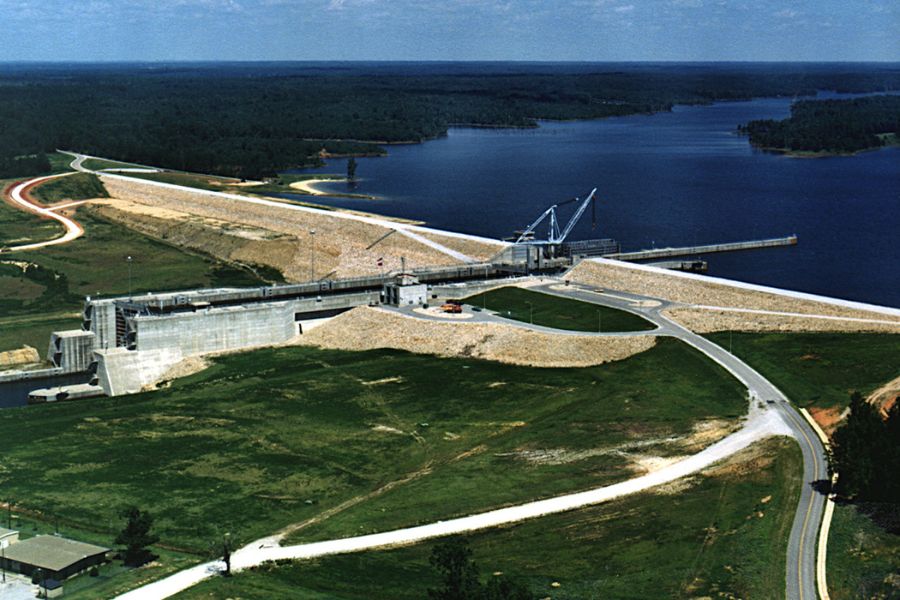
point(885, 396)
point(827, 418)
point(26, 355)
point(366, 328)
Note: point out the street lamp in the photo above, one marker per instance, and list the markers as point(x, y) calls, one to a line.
point(128, 259)
point(530, 312)
point(312, 254)
point(599, 321)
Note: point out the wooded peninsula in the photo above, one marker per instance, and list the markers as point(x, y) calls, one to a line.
point(830, 126)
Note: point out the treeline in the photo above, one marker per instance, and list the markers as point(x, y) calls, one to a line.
point(866, 458)
point(251, 120)
point(837, 126)
point(23, 166)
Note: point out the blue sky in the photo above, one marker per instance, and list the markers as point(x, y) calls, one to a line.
point(589, 30)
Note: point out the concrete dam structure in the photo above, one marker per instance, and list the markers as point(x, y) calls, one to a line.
point(130, 342)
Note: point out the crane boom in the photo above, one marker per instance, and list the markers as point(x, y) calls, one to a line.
point(554, 235)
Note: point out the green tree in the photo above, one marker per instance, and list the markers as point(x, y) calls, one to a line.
point(136, 536)
point(857, 450)
point(453, 560)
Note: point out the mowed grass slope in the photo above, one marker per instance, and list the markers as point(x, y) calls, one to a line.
point(77, 186)
point(863, 558)
point(819, 369)
point(553, 311)
point(273, 437)
point(724, 535)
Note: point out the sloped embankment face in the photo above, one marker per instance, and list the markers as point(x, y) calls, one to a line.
point(709, 294)
point(366, 328)
point(270, 235)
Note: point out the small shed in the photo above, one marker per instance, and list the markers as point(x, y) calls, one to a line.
point(56, 557)
point(7, 537)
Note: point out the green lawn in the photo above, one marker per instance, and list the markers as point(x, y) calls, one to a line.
point(819, 369)
point(78, 186)
point(273, 437)
point(861, 557)
point(34, 330)
point(95, 263)
point(723, 537)
point(96, 164)
point(552, 311)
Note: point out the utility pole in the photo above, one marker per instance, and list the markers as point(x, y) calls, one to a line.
point(312, 254)
point(530, 312)
point(128, 259)
point(599, 321)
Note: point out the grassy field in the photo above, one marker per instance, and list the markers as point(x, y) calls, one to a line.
point(862, 557)
point(273, 437)
point(96, 164)
point(95, 263)
point(33, 301)
point(819, 369)
point(34, 330)
point(552, 311)
point(78, 186)
point(725, 536)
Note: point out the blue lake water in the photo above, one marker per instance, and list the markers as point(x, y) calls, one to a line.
point(675, 178)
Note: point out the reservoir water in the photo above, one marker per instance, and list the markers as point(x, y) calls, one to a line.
point(15, 393)
point(676, 178)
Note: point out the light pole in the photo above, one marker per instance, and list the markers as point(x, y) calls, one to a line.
point(599, 321)
point(312, 254)
point(128, 259)
point(530, 312)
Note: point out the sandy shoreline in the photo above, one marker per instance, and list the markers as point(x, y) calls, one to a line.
point(307, 186)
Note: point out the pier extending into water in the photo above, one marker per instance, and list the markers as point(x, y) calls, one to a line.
point(790, 240)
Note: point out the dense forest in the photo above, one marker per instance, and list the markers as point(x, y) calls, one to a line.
point(253, 119)
point(833, 126)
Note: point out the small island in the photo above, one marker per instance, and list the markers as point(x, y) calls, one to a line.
point(830, 127)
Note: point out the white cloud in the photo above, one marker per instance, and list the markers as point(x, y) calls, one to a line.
point(787, 13)
point(624, 9)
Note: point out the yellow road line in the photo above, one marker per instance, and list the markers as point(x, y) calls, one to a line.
point(808, 508)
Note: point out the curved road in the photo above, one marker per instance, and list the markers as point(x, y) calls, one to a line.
point(770, 414)
point(17, 196)
point(800, 578)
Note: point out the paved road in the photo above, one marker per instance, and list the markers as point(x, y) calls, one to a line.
point(800, 577)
